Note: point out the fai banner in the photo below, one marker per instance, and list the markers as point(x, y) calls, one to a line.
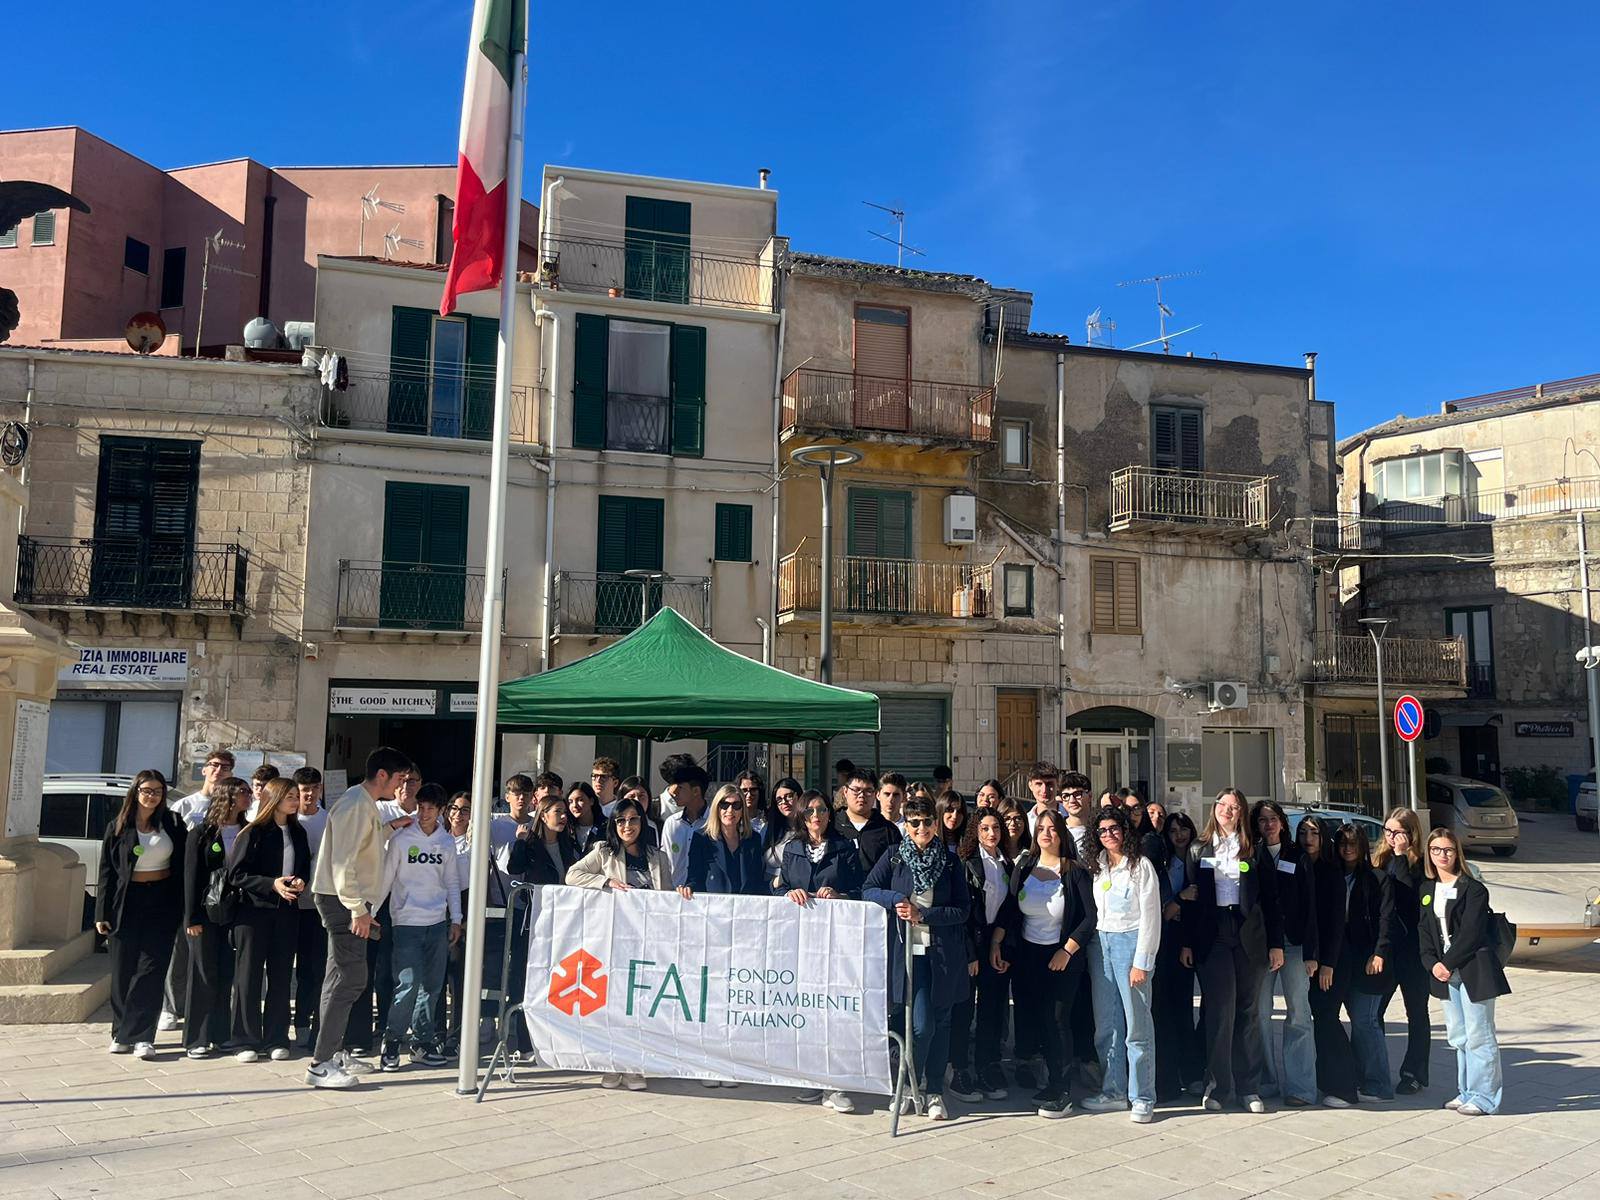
point(738, 988)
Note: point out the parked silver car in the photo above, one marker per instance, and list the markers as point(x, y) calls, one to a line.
point(73, 812)
point(1587, 809)
point(1480, 813)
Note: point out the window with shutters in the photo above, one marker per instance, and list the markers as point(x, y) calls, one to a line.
point(136, 255)
point(8, 237)
point(639, 386)
point(1018, 590)
point(1114, 595)
point(882, 367)
point(734, 527)
point(424, 580)
point(1177, 438)
point(174, 262)
point(44, 229)
point(878, 576)
point(631, 537)
point(656, 258)
point(441, 373)
point(144, 518)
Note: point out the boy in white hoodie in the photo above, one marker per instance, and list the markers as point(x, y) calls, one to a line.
point(424, 887)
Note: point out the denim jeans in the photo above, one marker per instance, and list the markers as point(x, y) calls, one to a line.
point(1291, 1070)
point(419, 958)
point(930, 1028)
point(1124, 1029)
point(1469, 1028)
point(1366, 1040)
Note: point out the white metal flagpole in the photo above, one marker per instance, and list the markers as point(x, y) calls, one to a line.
point(495, 597)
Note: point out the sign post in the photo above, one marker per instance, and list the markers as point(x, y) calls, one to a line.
point(1408, 723)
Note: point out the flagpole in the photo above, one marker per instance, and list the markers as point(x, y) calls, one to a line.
point(495, 597)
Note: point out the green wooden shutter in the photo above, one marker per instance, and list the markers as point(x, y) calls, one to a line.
point(611, 554)
point(589, 383)
point(1191, 440)
point(631, 536)
point(410, 334)
point(145, 503)
point(444, 541)
point(483, 348)
point(1177, 439)
point(422, 583)
point(657, 249)
point(734, 527)
point(689, 391)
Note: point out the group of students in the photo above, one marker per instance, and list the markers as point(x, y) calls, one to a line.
point(1082, 926)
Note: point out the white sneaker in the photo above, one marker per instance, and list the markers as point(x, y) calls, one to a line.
point(143, 1050)
point(1332, 1101)
point(351, 1065)
point(728, 1083)
point(329, 1075)
point(1142, 1114)
point(1210, 1102)
point(1105, 1104)
point(713, 1084)
point(198, 1052)
point(117, 1047)
point(839, 1102)
point(1255, 1104)
point(611, 1080)
point(936, 1109)
point(634, 1083)
point(1366, 1099)
point(167, 1021)
point(1469, 1109)
point(908, 1105)
point(279, 1054)
point(247, 1056)
point(1454, 1105)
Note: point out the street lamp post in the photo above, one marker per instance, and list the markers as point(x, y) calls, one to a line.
point(1377, 627)
point(646, 577)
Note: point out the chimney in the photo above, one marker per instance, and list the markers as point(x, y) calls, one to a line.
point(765, 173)
point(1311, 384)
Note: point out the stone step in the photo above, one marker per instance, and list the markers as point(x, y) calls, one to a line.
point(71, 996)
point(40, 964)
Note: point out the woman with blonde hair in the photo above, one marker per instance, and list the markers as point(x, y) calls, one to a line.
point(1400, 857)
point(725, 856)
point(210, 976)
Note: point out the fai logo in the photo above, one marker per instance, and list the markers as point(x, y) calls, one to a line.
point(576, 986)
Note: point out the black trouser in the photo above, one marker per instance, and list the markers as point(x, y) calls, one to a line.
point(961, 1014)
point(994, 997)
point(1082, 1041)
point(310, 962)
point(174, 994)
point(1180, 1052)
point(344, 981)
point(370, 1015)
point(208, 1005)
point(1045, 1000)
point(140, 950)
point(516, 982)
point(1336, 1061)
point(264, 940)
point(1230, 983)
point(1411, 978)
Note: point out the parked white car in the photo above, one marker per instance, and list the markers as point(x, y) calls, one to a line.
point(1587, 809)
point(74, 812)
point(1480, 813)
point(1332, 818)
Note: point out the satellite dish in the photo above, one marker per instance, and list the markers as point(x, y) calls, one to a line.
point(145, 332)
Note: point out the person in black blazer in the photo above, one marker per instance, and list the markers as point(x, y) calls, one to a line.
point(586, 824)
point(1460, 954)
point(1232, 936)
point(269, 866)
point(725, 855)
point(816, 863)
point(925, 890)
point(1292, 1073)
point(1400, 857)
point(209, 981)
point(860, 822)
point(1180, 1050)
point(137, 907)
point(1358, 1068)
point(1327, 877)
point(549, 849)
point(1043, 929)
point(978, 1076)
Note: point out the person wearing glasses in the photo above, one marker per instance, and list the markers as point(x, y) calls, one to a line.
point(1364, 973)
point(1075, 789)
point(1400, 857)
point(604, 776)
point(208, 998)
point(753, 789)
point(1044, 927)
point(922, 885)
point(1291, 1073)
point(586, 824)
point(1232, 937)
point(783, 816)
point(1014, 827)
point(1127, 901)
point(1458, 951)
point(725, 857)
point(978, 1074)
point(1335, 1084)
point(1180, 1050)
point(138, 908)
point(458, 821)
point(861, 824)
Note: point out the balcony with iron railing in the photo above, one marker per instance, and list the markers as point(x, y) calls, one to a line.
point(410, 597)
point(660, 270)
point(889, 588)
point(843, 402)
point(426, 405)
point(1480, 681)
point(607, 603)
point(1200, 503)
point(1387, 520)
point(155, 574)
point(1408, 662)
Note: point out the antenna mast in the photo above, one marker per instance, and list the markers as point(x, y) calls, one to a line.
point(370, 204)
point(901, 249)
point(214, 245)
point(1162, 311)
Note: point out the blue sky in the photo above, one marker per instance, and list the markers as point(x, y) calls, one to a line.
point(1408, 189)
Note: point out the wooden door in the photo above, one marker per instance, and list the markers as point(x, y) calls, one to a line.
point(1016, 732)
point(883, 368)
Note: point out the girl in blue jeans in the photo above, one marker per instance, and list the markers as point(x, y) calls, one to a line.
point(1364, 967)
point(1127, 901)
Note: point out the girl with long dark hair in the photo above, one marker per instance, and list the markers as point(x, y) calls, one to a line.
point(1400, 857)
point(1291, 1073)
point(269, 868)
point(789, 800)
point(977, 1072)
point(952, 811)
point(208, 1003)
point(1180, 1051)
point(1363, 975)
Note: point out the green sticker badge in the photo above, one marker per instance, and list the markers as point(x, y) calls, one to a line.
point(1426, 900)
point(216, 847)
point(138, 850)
point(1106, 886)
point(1244, 868)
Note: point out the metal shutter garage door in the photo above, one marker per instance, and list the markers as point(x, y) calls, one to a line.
point(916, 738)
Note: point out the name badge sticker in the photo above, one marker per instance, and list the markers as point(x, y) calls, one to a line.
point(1244, 868)
point(1286, 866)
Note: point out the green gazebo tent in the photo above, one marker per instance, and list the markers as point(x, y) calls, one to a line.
point(668, 680)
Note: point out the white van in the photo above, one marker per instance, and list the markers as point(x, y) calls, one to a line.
point(74, 812)
point(1480, 813)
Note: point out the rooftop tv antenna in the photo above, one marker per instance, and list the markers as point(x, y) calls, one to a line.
point(1162, 311)
point(1101, 330)
point(370, 204)
point(214, 245)
point(901, 249)
point(392, 241)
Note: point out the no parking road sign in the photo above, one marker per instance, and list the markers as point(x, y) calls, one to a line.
point(1408, 718)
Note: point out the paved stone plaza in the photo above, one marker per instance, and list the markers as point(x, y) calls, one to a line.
point(76, 1122)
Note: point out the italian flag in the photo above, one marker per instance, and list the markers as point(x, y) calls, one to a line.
point(499, 34)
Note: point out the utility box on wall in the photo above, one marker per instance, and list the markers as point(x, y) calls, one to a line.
point(960, 519)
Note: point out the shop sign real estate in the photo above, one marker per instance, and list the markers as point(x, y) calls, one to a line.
point(127, 664)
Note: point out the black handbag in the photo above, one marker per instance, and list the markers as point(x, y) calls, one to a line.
point(222, 900)
point(1503, 935)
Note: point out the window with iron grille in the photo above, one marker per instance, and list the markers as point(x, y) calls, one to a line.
point(44, 229)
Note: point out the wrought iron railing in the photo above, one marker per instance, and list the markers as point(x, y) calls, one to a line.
point(589, 602)
point(421, 596)
point(1350, 532)
point(642, 423)
point(168, 574)
point(1352, 658)
point(1161, 495)
point(416, 404)
point(648, 268)
point(888, 586)
point(1480, 680)
point(844, 401)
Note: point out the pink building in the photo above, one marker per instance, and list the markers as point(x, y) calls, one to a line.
point(79, 277)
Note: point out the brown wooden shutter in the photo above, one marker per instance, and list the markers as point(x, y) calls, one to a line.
point(1103, 581)
point(883, 368)
point(1127, 596)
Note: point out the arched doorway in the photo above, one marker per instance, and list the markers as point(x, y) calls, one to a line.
point(1112, 746)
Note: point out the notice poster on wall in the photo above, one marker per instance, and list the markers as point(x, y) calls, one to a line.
point(28, 743)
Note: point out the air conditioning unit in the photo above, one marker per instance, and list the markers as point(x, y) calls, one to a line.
point(1229, 695)
point(960, 519)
